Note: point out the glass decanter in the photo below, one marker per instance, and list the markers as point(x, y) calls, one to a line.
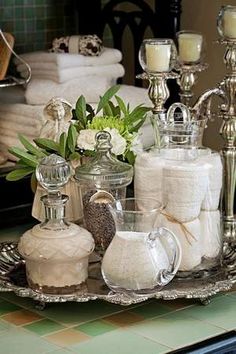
point(102, 180)
point(56, 252)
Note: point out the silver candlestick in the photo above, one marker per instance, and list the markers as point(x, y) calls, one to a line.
point(157, 57)
point(158, 93)
point(187, 80)
point(228, 132)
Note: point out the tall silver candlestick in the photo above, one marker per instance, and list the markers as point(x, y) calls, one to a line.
point(157, 57)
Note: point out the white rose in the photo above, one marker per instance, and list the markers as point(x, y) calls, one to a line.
point(117, 141)
point(86, 139)
point(136, 145)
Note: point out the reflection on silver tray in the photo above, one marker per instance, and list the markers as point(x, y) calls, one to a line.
point(12, 278)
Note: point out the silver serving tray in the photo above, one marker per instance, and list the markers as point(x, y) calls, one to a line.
point(12, 278)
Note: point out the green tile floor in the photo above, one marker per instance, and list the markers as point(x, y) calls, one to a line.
point(99, 327)
point(102, 328)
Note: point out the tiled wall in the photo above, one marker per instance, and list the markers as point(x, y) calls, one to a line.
point(34, 23)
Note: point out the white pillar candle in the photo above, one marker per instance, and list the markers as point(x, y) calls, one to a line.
point(190, 46)
point(229, 23)
point(158, 57)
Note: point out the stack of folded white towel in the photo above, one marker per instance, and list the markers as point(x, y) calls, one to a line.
point(18, 118)
point(70, 75)
point(67, 76)
point(190, 192)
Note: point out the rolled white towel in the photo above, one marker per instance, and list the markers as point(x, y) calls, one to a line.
point(112, 71)
point(191, 247)
point(148, 171)
point(39, 91)
point(184, 190)
point(211, 233)
point(65, 60)
point(215, 180)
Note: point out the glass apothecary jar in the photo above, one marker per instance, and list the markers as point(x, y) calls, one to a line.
point(102, 180)
point(56, 252)
point(187, 179)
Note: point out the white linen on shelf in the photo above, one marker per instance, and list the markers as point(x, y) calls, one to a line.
point(39, 91)
point(66, 60)
point(112, 71)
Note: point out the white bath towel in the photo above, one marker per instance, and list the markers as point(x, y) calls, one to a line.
point(9, 141)
point(12, 126)
point(30, 132)
point(191, 247)
point(211, 233)
point(184, 190)
point(148, 170)
point(65, 60)
point(215, 180)
point(134, 95)
point(4, 150)
point(21, 110)
point(113, 71)
point(39, 92)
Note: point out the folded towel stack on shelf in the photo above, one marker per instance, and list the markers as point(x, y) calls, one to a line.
point(67, 76)
point(70, 75)
point(18, 118)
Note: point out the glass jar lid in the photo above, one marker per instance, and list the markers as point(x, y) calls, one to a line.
point(104, 170)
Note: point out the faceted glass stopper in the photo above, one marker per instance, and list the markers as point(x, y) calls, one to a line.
point(53, 172)
point(103, 141)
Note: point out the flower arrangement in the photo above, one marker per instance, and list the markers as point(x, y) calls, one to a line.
point(116, 118)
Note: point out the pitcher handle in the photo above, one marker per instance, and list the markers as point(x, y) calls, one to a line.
point(173, 249)
point(186, 114)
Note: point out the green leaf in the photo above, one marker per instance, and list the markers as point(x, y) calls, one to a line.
point(135, 117)
point(106, 97)
point(121, 105)
point(74, 156)
point(115, 109)
point(30, 147)
point(130, 157)
point(107, 110)
point(62, 145)
point(134, 127)
point(47, 144)
point(19, 173)
point(80, 110)
point(33, 182)
point(27, 158)
point(72, 138)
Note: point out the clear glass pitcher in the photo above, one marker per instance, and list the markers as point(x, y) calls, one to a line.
point(141, 258)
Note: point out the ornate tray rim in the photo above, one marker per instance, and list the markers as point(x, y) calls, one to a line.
point(9, 257)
